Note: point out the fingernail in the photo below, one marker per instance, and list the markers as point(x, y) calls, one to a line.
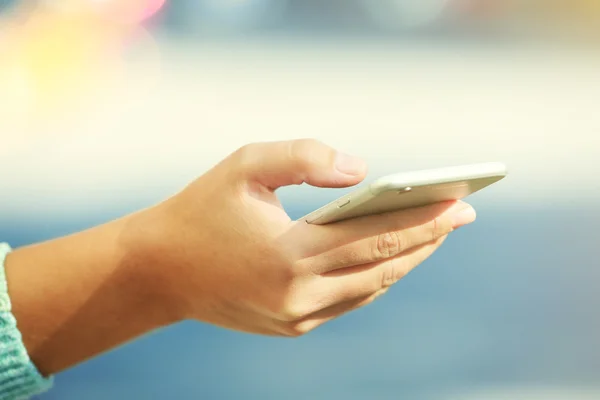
point(463, 216)
point(350, 165)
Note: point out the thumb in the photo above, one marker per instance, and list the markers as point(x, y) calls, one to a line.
point(277, 164)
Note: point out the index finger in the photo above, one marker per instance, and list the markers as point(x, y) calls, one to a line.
point(378, 237)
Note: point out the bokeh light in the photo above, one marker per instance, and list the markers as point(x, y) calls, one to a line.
point(130, 11)
point(58, 54)
point(402, 14)
point(127, 12)
point(479, 8)
point(234, 14)
point(6, 5)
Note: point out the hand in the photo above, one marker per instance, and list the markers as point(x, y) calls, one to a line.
point(224, 251)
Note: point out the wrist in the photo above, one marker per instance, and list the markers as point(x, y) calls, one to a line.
point(78, 296)
point(148, 255)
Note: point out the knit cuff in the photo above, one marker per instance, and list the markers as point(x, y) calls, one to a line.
point(19, 378)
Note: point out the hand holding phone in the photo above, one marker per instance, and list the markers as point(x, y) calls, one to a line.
point(409, 190)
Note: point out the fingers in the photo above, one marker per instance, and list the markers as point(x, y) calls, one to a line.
point(376, 238)
point(350, 283)
point(324, 298)
point(277, 164)
point(310, 322)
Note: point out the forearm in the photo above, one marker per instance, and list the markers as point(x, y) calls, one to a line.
point(83, 294)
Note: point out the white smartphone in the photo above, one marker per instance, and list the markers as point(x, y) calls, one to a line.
point(408, 190)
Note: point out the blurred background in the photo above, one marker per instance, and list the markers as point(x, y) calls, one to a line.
point(106, 107)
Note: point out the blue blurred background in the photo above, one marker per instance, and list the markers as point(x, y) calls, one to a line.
point(507, 309)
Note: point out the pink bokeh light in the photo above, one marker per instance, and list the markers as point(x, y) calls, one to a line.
point(130, 11)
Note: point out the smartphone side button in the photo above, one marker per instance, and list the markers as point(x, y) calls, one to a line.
point(314, 218)
point(343, 203)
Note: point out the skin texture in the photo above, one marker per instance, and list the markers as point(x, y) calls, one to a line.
point(222, 251)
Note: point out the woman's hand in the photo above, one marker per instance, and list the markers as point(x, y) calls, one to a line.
point(222, 251)
point(225, 252)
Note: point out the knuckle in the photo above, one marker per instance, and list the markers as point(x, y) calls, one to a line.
point(440, 226)
point(247, 148)
point(288, 273)
point(387, 276)
point(290, 313)
point(387, 244)
point(293, 310)
point(392, 273)
point(306, 144)
point(245, 154)
point(296, 329)
point(291, 294)
point(302, 151)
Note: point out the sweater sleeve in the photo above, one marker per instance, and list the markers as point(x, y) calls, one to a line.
point(19, 378)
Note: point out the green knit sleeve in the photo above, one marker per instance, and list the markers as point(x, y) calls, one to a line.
point(19, 378)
